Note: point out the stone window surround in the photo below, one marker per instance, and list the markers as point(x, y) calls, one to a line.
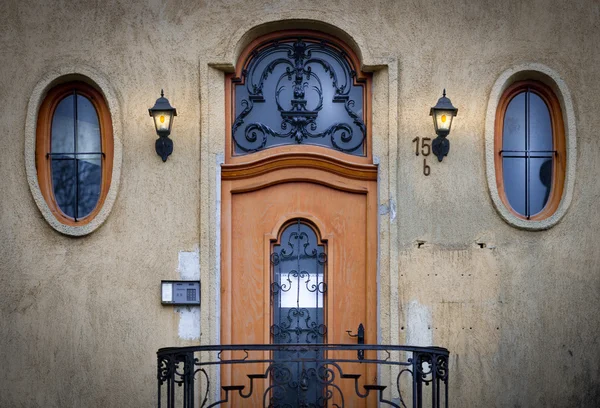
point(546, 75)
point(53, 77)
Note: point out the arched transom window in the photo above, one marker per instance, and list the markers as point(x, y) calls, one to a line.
point(299, 89)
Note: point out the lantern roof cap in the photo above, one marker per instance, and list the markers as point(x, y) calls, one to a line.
point(443, 104)
point(162, 104)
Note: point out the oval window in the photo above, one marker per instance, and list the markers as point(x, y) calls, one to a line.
point(74, 152)
point(530, 150)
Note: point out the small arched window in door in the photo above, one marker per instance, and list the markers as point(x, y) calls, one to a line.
point(530, 147)
point(298, 291)
point(299, 287)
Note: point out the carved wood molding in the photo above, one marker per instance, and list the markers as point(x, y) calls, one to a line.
point(299, 161)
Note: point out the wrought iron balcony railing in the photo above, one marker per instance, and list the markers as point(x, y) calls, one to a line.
point(302, 375)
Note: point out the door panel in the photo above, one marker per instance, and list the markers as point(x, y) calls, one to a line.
point(342, 212)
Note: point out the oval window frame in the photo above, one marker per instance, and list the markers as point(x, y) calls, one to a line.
point(558, 144)
point(44, 139)
point(546, 75)
point(57, 75)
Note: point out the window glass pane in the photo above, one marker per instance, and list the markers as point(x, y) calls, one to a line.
point(88, 129)
point(63, 127)
point(300, 294)
point(540, 183)
point(514, 182)
point(540, 126)
point(90, 179)
point(513, 136)
point(63, 184)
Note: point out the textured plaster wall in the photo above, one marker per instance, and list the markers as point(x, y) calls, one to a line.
point(80, 318)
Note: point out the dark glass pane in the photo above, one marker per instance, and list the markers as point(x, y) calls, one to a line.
point(298, 290)
point(63, 127)
point(64, 173)
point(299, 91)
point(513, 170)
point(513, 136)
point(540, 126)
point(90, 180)
point(540, 183)
point(88, 129)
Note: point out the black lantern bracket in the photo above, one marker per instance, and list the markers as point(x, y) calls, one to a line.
point(440, 147)
point(163, 147)
point(162, 112)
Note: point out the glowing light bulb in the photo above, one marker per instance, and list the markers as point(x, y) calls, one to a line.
point(443, 118)
point(162, 118)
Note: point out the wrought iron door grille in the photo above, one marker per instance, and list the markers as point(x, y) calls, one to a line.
point(189, 376)
point(299, 90)
point(298, 291)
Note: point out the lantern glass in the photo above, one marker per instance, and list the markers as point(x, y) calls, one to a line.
point(442, 120)
point(162, 121)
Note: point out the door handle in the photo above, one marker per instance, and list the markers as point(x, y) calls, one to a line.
point(360, 335)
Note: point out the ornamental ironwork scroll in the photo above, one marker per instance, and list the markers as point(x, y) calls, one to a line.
point(419, 376)
point(298, 291)
point(299, 90)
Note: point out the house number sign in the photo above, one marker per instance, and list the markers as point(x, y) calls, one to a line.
point(425, 148)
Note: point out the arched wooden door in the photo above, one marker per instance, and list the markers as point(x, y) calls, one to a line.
point(299, 208)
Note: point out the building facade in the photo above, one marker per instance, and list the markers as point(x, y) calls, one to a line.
point(450, 252)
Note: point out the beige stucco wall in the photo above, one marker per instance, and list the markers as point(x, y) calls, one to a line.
point(80, 318)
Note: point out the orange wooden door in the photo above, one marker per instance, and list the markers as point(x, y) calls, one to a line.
point(338, 203)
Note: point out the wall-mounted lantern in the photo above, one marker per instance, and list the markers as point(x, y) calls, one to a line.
point(442, 113)
point(162, 112)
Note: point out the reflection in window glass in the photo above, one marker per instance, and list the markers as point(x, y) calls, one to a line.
point(63, 127)
point(514, 124)
point(88, 129)
point(540, 183)
point(63, 182)
point(514, 182)
point(540, 125)
point(89, 181)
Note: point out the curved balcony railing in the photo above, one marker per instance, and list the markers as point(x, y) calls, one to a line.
point(302, 375)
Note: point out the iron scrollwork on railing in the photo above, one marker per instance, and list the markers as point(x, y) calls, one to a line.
point(305, 87)
point(419, 376)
